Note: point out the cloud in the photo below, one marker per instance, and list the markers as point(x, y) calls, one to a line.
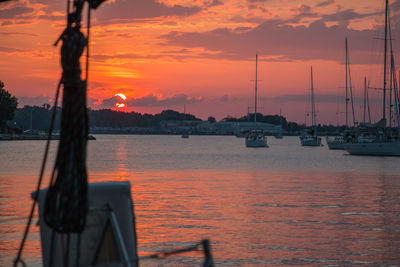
point(177, 54)
point(132, 10)
point(154, 101)
point(216, 3)
point(257, 1)
point(150, 100)
point(52, 17)
point(109, 102)
point(395, 6)
point(304, 11)
point(9, 49)
point(346, 16)
point(252, 19)
point(19, 33)
point(14, 11)
point(274, 40)
point(325, 3)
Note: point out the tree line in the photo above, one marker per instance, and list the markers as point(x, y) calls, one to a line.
point(13, 119)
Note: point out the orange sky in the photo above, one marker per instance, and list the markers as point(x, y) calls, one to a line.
point(164, 53)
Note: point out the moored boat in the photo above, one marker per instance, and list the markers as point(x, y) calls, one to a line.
point(255, 138)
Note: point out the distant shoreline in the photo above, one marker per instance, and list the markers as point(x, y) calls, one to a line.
point(32, 137)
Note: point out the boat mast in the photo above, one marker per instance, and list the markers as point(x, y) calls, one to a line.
point(384, 64)
point(369, 110)
point(392, 76)
point(347, 96)
point(348, 75)
point(255, 94)
point(313, 115)
point(396, 101)
point(365, 98)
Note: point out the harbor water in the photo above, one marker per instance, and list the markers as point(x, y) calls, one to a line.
point(276, 206)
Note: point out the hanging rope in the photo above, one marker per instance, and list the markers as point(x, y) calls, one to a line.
point(66, 201)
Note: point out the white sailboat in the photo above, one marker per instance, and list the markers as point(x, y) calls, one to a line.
point(312, 139)
point(341, 141)
point(384, 142)
point(256, 138)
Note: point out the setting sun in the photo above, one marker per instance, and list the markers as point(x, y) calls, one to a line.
point(122, 96)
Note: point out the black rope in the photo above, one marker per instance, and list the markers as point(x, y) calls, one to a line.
point(36, 196)
point(87, 47)
point(66, 201)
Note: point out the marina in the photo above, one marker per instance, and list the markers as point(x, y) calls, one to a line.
point(295, 208)
point(143, 193)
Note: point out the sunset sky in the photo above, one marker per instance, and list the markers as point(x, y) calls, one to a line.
point(163, 54)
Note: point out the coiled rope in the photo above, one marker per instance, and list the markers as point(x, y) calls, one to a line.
point(66, 200)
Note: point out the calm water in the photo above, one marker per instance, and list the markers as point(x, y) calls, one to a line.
point(284, 205)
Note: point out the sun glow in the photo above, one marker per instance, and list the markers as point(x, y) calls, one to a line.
point(120, 105)
point(122, 96)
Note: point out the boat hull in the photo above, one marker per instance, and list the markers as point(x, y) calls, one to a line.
point(311, 141)
point(337, 145)
point(256, 143)
point(374, 148)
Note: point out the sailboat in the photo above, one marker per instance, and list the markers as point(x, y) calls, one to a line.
point(256, 138)
point(341, 141)
point(384, 141)
point(312, 139)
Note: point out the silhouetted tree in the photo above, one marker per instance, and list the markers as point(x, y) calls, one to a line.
point(8, 104)
point(211, 119)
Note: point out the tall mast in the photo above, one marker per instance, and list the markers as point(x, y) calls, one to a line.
point(350, 87)
point(347, 96)
point(255, 94)
point(369, 110)
point(392, 75)
point(312, 102)
point(384, 63)
point(365, 99)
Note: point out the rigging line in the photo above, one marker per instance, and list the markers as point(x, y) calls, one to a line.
point(36, 196)
point(87, 45)
point(369, 110)
point(351, 88)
